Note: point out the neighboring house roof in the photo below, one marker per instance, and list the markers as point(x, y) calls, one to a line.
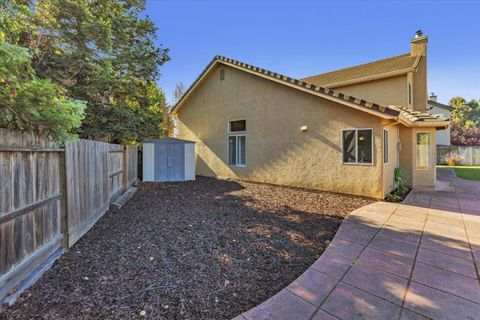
point(411, 118)
point(439, 105)
point(365, 72)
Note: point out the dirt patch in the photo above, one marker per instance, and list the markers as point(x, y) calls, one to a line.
point(208, 249)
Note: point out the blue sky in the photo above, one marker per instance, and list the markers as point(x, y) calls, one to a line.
point(302, 38)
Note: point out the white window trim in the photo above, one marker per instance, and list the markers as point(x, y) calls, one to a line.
point(409, 93)
point(237, 153)
point(356, 148)
point(388, 146)
point(236, 134)
point(429, 151)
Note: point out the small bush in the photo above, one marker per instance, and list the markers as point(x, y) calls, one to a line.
point(452, 160)
point(400, 178)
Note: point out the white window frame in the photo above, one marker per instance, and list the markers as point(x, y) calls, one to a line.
point(410, 93)
point(386, 143)
point(236, 134)
point(429, 151)
point(356, 148)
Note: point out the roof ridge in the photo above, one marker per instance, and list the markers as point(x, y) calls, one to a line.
point(356, 66)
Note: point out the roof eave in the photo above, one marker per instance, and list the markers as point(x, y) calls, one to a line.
point(316, 93)
point(441, 124)
point(280, 80)
point(197, 81)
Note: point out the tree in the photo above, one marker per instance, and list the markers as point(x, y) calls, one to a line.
point(464, 137)
point(465, 122)
point(102, 52)
point(465, 114)
point(31, 104)
point(178, 92)
point(169, 121)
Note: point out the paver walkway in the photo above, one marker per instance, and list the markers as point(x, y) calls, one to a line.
point(416, 260)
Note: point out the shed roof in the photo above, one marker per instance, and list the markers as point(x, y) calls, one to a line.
point(167, 140)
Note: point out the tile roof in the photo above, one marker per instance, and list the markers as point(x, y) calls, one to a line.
point(375, 68)
point(417, 116)
point(293, 82)
point(391, 111)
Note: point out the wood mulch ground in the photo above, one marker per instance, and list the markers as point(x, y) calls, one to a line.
point(208, 249)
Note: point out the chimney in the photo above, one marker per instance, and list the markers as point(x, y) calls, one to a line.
point(418, 45)
point(432, 97)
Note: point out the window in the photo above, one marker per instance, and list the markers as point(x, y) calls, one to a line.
point(385, 145)
point(409, 93)
point(222, 74)
point(423, 150)
point(357, 145)
point(237, 126)
point(237, 153)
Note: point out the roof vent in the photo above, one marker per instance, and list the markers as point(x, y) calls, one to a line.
point(418, 34)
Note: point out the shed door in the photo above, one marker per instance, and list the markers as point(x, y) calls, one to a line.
point(161, 162)
point(175, 162)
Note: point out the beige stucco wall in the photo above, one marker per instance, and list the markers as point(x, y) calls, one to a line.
point(405, 154)
point(425, 177)
point(386, 91)
point(418, 178)
point(420, 86)
point(277, 151)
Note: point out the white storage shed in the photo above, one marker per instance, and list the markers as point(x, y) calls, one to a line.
point(168, 159)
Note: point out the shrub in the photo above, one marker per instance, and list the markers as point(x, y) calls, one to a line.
point(400, 178)
point(464, 136)
point(452, 160)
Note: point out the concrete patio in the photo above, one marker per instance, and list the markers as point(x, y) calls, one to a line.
point(416, 260)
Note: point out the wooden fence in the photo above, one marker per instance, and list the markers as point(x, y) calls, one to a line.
point(470, 156)
point(30, 205)
point(48, 194)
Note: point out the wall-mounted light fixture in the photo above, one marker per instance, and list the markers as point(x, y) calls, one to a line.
point(303, 128)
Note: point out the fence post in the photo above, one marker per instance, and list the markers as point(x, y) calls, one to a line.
point(63, 203)
point(125, 177)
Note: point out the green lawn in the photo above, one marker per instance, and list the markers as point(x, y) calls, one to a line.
point(465, 172)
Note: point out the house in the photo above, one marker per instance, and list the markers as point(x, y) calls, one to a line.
point(442, 110)
point(343, 131)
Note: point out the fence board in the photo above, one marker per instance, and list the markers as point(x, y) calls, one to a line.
point(470, 156)
point(132, 164)
point(115, 165)
point(26, 223)
point(86, 173)
point(49, 194)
